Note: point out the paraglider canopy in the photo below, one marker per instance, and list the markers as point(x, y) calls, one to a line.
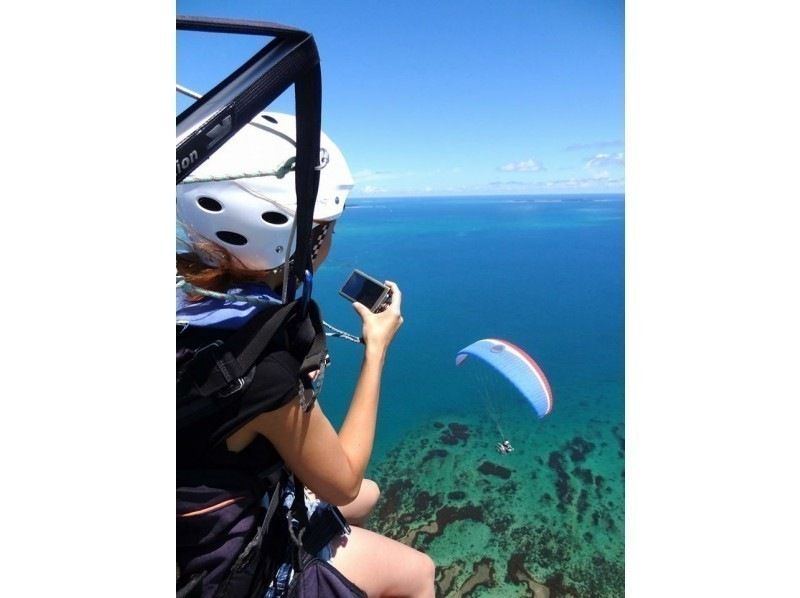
point(517, 366)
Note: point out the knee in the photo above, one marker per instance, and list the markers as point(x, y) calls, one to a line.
point(371, 490)
point(427, 569)
point(426, 576)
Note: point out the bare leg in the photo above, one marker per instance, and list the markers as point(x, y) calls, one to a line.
point(358, 510)
point(384, 567)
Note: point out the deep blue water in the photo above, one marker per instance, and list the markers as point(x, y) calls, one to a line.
point(545, 272)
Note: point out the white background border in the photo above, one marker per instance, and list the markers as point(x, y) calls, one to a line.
point(711, 284)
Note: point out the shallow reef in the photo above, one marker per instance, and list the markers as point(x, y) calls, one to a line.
point(545, 521)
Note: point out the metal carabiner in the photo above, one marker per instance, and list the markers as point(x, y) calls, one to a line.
point(308, 283)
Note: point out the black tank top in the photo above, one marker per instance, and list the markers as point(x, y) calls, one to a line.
point(273, 385)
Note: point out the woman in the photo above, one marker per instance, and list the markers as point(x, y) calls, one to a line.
point(239, 234)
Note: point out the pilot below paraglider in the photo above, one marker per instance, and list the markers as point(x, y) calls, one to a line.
point(504, 447)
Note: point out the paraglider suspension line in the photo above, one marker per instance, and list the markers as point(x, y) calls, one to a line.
point(488, 402)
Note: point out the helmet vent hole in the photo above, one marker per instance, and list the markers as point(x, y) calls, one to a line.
point(231, 237)
point(207, 203)
point(274, 218)
point(269, 119)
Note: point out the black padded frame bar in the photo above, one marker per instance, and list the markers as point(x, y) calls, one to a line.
point(291, 57)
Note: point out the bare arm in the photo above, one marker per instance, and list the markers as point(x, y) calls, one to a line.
point(332, 465)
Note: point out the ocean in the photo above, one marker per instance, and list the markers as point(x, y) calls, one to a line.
point(547, 274)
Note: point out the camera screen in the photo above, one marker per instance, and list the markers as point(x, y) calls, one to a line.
point(362, 290)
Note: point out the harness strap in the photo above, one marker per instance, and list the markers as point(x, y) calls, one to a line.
point(193, 588)
point(274, 500)
point(298, 511)
point(221, 370)
point(234, 364)
point(319, 346)
point(249, 354)
point(215, 372)
point(308, 104)
point(239, 578)
point(299, 502)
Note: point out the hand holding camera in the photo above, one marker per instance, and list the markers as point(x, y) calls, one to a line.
point(379, 307)
point(366, 290)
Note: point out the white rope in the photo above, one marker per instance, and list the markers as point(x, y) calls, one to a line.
point(341, 334)
point(281, 172)
point(228, 176)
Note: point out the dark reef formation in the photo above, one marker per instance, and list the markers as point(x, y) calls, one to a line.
point(517, 573)
point(446, 578)
point(422, 535)
point(582, 504)
point(391, 497)
point(599, 484)
point(560, 588)
point(603, 520)
point(564, 490)
point(424, 501)
point(601, 578)
point(454, 434)
point(449, 514)
point(482, 575)
point(434, 453)
point(487, 468)
point(584, 475)
point(619, 434)
point(578, 448)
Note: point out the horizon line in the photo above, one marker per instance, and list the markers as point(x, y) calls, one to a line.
point(562, 194)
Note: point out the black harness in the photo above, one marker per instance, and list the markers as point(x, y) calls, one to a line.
point(210, 377)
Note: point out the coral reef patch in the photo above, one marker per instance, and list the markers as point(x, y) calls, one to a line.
point(499, 471)
point(454, 434)
point(548, 522)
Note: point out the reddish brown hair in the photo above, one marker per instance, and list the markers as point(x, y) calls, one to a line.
point(227, 272)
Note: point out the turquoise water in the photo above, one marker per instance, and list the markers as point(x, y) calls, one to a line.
point(546, 273)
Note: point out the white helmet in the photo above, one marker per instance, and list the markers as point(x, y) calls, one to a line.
point(252, 217)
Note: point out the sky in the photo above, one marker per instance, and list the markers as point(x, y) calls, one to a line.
point(450, 98)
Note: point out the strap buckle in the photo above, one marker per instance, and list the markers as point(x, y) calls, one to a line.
point(232, 389)
point(324, 158)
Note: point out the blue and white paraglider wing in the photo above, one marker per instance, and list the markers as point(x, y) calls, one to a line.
point(517, 366)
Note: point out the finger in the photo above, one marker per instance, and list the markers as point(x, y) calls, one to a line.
point(361, 309)
point(397, 296)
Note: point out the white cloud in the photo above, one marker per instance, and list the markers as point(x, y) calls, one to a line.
point(371, 189)
point(596, 182)
point(594, 145)
point(605, 160)
point(523, 166)
point(363, 176)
